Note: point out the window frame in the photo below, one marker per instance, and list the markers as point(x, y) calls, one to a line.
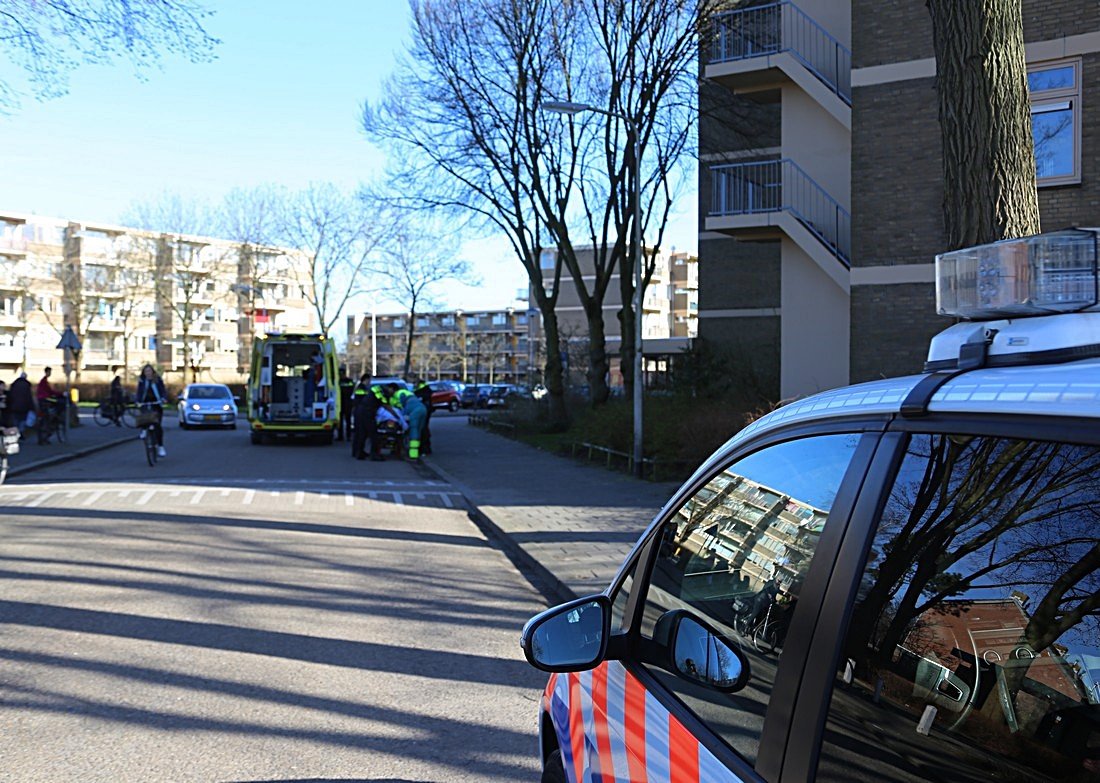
point(1051, 98)
point(815, 696)
point(628, 647)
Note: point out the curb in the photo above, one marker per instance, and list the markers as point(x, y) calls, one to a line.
point(537, 575)
point(62, 458)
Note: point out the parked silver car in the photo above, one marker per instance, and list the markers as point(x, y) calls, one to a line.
point(207, 405)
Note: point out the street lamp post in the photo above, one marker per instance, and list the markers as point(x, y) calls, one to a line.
point(570, 108)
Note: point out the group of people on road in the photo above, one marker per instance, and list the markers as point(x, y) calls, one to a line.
point(371, 413)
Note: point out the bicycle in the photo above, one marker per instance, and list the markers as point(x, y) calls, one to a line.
point(9, 444)
point(51, 420)
point(119, 414)
point(146, 419)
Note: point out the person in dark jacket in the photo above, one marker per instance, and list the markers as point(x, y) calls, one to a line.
point(151, 395)
point(21, 401)
point(366, 399)
point(6, 418)
point(347, 389)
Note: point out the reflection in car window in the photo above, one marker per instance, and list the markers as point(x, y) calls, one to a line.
point(735, 554)
point(208, 393)
point(974, 649)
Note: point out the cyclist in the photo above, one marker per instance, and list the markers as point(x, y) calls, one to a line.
point(152, 396)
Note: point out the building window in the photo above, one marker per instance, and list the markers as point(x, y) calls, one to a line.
point(472, 320)
point(1055, 90)
point(448, 320)
point(499, 319)
point(548, 259)
point(421, 322)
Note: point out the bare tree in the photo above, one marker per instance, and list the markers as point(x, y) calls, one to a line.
point(48, 39)
point(637, 63)
point(460, 117)
point(414, 264)
point(334, 232)
point(985, 121)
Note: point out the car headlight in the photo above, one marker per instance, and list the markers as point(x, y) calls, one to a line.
point(195, 406)
point(226, 408)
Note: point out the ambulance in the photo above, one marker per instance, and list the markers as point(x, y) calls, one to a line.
point(892, 582)
point(293, 388)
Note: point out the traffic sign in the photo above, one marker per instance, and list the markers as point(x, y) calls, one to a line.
point(70, 340)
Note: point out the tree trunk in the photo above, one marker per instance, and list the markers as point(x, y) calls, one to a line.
point(409, 345)
point(598, 390)
point(553, 380)
point(985, 121)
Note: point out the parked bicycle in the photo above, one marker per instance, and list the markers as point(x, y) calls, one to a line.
point(51, 420)
point(120, 414)
point(147, 419)
point(9, 445)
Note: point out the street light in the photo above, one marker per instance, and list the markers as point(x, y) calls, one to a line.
point(570, 108)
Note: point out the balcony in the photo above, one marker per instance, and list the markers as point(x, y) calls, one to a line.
point(761, 47)
point(760, 200)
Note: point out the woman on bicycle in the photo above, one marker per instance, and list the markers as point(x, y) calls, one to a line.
point(151, 396)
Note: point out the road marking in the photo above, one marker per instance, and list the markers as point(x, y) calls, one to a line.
point(398, 499)
point(349, 499)
point(124, 493)
point(299, 496)
point(197, 497)
point(146, 497)
point(40, 500)
point(248, 496)
point(174, 493)
point(446, 499)
point(226, 493)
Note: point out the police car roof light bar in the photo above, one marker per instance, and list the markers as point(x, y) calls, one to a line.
point(1044, 274)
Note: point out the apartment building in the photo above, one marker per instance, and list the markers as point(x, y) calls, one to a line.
point(669, 315)
point(188, 305)
point(820, 229)
point(484, 346)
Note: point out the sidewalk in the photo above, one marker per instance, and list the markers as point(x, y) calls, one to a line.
point(569, 524)
point(88, 438)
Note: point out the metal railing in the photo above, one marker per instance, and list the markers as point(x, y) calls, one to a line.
point(784, 27)
point(782, 186)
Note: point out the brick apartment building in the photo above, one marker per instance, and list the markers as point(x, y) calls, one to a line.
point(126, 292)
point(486, 346)
point(821, 226)
point(669, 316)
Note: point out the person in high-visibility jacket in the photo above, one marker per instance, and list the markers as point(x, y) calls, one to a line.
point(414, 411)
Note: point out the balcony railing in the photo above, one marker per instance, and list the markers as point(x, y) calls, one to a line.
point(781, 186)
point(784, 27)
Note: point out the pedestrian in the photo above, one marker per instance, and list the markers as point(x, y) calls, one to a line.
point(6, 417)
point(366, 399)
point(151, 396)
point(45, 391)
point(21, 402)
point(413, 410)
point(347, 388)
point(424, 393)
point(116, 401)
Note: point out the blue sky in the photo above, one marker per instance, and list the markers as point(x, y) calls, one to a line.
point(280, 104)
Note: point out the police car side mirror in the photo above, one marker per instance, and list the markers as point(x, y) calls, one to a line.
point(569, 638)
point(700, 653)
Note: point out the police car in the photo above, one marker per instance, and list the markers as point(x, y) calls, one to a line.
point(893, 581)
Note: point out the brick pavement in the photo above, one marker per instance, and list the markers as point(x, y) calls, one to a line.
point(570, 522)
point(86, 439)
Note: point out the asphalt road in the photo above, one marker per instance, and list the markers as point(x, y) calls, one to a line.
point(248, 613)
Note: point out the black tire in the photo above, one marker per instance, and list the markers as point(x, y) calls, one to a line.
point(452, 406)
point(102, 417)
point(554, 770)
point(150, 448)
point(184, 425)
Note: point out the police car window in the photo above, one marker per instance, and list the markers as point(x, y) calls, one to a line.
point(973, 652)
point(735, 554)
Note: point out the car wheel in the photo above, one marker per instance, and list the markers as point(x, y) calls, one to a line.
point(452, 406)
point(184, 425)
point(554, 771)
